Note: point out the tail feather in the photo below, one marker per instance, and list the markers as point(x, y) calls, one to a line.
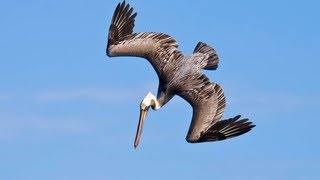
point(213, 60)
point(226, 129)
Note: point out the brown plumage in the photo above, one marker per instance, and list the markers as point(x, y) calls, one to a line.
point(178, 75)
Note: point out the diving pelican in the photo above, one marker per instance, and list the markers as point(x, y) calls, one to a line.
point(178, 75)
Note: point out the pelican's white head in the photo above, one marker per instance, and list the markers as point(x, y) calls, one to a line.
point(150, 100)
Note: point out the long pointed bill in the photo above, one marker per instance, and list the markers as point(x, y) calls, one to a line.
point(143, 114)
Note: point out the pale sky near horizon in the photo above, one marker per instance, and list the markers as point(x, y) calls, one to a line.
point(67, 111)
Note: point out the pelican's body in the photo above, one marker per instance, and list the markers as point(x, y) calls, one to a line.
point(178, 75)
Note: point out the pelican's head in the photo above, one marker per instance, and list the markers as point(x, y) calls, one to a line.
point(149, 100)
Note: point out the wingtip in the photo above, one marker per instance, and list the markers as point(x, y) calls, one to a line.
point(237, 117)
point(122, 22)
point(226, 129)
point(123, 3)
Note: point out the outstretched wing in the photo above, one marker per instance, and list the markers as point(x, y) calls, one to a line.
point(208, 102)
point(158, 48)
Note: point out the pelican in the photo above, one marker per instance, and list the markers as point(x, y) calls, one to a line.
point(178, 75)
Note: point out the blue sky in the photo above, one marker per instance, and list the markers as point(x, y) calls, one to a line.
point(69, 112)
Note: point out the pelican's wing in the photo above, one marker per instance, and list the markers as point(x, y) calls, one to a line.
point(158, 48)
point(208, 102)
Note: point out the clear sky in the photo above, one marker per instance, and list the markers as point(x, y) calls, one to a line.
point(67, 111)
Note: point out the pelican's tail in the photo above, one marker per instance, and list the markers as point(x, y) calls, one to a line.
point(226, 129)
point(211, 63)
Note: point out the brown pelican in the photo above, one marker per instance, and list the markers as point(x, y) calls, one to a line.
point(178, 75)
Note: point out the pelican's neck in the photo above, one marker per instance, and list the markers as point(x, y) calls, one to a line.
point(150, 100)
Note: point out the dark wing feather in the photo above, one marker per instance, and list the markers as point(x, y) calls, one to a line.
point(208, 102)
point(122, 23)
point(226, 129)
point(158, 48)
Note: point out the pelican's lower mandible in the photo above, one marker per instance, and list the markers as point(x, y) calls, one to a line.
point(143, 114)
